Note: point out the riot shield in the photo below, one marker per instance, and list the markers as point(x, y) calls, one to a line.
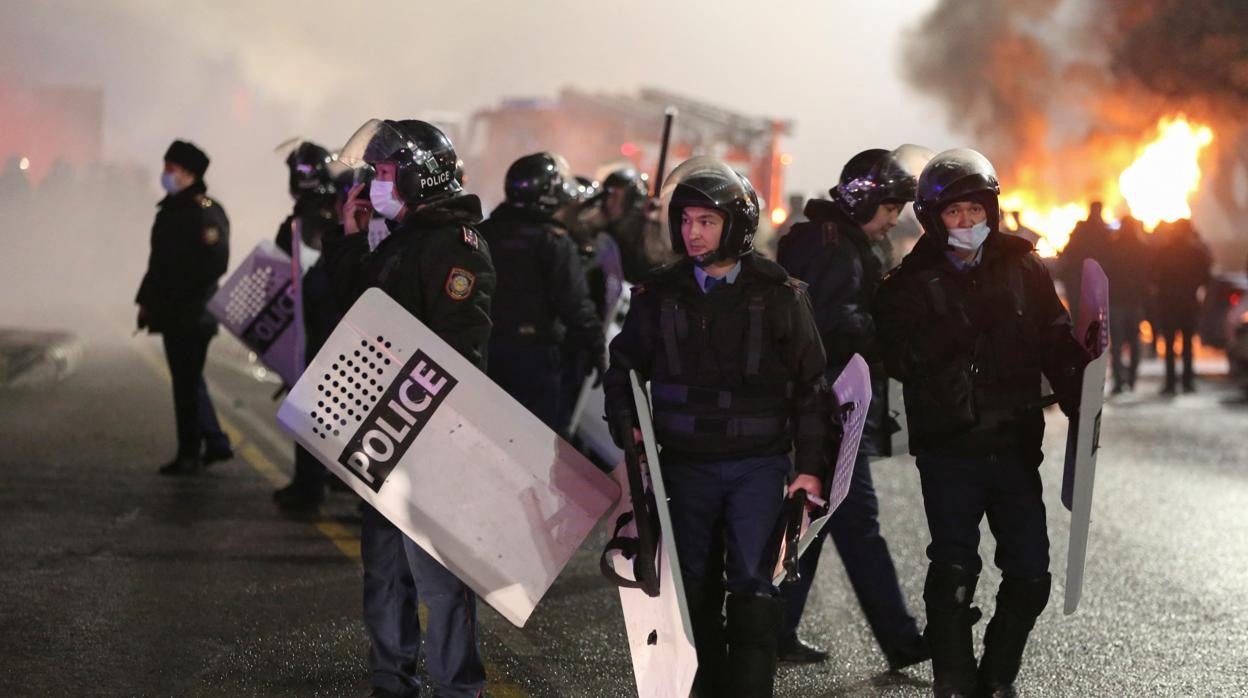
point(427, 439)
point(852, 398)
point(1084, 434)
point(656, 616)
point(257, 304)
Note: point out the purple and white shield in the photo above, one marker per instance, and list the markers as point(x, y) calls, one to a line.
point(852, 390)
point(1084, 435)
point(257, 304)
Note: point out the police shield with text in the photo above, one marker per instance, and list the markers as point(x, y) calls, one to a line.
point(832, 252)
point(542, 312)
point(437, 268)
point(969, 322)
point(190, 251)
point(735, 366)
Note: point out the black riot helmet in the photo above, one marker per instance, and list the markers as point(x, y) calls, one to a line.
point(540, 181)
point(308, 164)
point(709, 183)
point(636, 184)
point(428, 170)
point(875, 177)
point(956, 175)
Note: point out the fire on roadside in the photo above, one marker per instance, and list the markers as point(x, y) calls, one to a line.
point(1156, 187)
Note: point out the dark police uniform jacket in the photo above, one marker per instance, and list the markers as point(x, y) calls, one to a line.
point(435, 265)
point(969, 347)
point(734, 373)
point(542, 295)
point(832, 254)
point(190, 251)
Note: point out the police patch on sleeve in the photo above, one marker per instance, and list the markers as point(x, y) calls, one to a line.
point(212, 235)
point(459, 283)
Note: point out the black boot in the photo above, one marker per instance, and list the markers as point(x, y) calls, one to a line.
point(705, 598)
point(1019, 603)
point(753, 624)
point(182, 465)
point(949, 591)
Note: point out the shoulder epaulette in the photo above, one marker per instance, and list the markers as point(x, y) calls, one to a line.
point(203, 200)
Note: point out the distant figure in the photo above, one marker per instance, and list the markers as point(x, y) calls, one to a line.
point(1089, 240)
point(190, 251)
point(1127, 267)
point(1182, 265)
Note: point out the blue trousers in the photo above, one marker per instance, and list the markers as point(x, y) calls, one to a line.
point(855, 529)
point(398, 574)
point(958, 492)
point(738, 499)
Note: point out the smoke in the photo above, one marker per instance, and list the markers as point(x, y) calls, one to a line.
point(1058, 93)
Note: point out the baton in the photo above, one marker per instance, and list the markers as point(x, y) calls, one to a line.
point(669, 116)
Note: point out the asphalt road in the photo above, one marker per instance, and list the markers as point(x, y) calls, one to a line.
point(118, 582)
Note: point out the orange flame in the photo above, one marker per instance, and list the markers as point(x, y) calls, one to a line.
point(1155, 187)
point(1166, 172)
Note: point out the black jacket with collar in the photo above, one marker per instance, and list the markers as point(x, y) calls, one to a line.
point(746, 354)
point(190, 249)
point(970, 347)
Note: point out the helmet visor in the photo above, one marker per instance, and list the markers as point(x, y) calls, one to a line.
point(372, 143)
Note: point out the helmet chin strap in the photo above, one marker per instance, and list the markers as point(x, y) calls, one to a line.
point(712, 258)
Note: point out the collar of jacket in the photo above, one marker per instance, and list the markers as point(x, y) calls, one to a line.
point(508, 213)
point(929, 251)
point(824, 211)
point(754, 267)
point(459, 210)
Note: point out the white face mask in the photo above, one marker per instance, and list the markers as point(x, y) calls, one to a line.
point(969, 239)
point(381, 195)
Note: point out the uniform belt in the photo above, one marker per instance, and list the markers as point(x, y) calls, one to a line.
point(726, 426)
point(679, 394)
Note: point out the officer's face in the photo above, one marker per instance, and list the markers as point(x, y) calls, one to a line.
point(614, 206)
point(701, 229)
point(885, 219)
point(182, 177)
point(963, 214)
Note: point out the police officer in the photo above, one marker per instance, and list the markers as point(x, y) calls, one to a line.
point(833, 253)
point(542, 311)
point(735, 365)
point(315, 197)
point(438, 268)
point(190, 251)
point(623, 200)
point(969, 322)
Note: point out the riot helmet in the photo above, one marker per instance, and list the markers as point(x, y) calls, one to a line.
point(308, 164)
point(877, 176)
point(427, 169)
point(956, 175)
point(587, 189)
point(709, 183)
point(540, 181)
point(635, 186)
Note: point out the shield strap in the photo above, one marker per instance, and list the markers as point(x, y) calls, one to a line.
point(673, 325)
point(754, 350)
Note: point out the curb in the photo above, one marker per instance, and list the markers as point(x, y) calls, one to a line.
point(30, 358)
